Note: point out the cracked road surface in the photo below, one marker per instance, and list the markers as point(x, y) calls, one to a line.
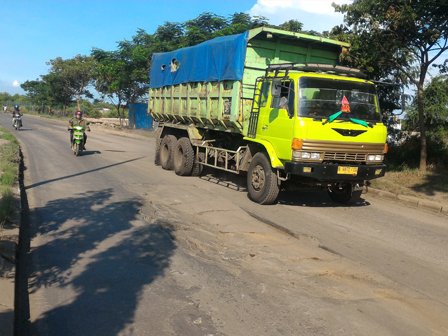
point(119, 246)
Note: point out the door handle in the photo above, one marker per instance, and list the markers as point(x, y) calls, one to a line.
point(265, 128)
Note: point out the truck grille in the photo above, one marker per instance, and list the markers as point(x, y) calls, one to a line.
point(345, 157)
point(343, 151)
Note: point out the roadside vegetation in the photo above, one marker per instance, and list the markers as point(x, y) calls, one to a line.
point(9, 169)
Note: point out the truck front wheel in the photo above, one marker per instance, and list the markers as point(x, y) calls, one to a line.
point(262, 181)
point(183, 157)
point(167, 152)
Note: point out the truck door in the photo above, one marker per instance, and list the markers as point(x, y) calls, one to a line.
point(277, 117)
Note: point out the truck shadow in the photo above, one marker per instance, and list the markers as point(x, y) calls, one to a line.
point(314, 198)
point(90, 263)
point(318, 199)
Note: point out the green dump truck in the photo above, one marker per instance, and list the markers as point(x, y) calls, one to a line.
point(273, 105)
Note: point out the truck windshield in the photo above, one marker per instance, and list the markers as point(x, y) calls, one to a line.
point(321, 97)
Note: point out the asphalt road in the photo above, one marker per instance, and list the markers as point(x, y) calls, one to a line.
point(119, 246)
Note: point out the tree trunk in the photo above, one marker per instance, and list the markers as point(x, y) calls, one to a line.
point(118, 110)
point(119, 117)
point(421, 116)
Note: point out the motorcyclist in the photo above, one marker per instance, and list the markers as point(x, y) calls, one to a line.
point(16, 113)
point(78, 121)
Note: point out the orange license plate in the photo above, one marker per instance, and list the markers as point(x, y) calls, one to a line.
point(348, 170)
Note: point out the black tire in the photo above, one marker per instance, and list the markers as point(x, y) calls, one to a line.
point(344, 195)
point(167, 151)
point(157, 152)
point(77, 149)
point(183, 157)
point(197, 167)
point(262, 182)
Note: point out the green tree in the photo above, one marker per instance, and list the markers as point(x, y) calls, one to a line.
point(292, 25)
point(435, 104)
point(50, 89)
point(400, 33)
point(204, 27)
point(76, 74)
point(123, 75)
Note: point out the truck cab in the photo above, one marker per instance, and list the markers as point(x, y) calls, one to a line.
point(323, 127)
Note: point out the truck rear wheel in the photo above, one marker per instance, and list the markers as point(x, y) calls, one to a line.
point(197, 167)
point(167, 151)
point(157, 152)
point(262, 181)
point(183, 157)
point(344, 194)
point(157, 147)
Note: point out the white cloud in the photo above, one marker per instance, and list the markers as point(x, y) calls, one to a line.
point(316, 15)
point(16, 84)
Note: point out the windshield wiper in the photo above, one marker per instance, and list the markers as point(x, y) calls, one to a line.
point(333, 117)
point(361, 122)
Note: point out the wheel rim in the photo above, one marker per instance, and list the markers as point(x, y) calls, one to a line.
point(258, 178)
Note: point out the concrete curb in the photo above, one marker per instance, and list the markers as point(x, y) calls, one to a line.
point(424, 204)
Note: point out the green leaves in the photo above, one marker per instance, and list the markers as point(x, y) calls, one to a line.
point(397, 37)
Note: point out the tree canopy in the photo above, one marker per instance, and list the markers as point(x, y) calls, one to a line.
point(408, 36)
point(75, 74)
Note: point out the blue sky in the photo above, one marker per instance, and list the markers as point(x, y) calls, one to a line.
point(34, 32)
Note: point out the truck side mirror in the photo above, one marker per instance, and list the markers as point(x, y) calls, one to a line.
point(276, 88)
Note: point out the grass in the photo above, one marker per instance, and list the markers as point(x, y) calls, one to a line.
point(9, 169)
point(432, 184)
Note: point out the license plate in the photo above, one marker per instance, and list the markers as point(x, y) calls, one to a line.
point(348, 170)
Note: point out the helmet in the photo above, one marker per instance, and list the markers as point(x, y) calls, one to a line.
point(78, 114)
point(16, 107)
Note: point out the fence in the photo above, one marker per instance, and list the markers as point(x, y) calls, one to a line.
point(41, 108)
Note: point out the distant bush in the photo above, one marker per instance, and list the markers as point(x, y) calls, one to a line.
point(94, 114)
point(407, 155)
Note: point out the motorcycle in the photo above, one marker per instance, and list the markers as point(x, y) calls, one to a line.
point(78, 138)
point(17, 121)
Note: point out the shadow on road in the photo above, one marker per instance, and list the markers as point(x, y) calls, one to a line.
point(87, 152)
point(316, 199)
point(24, 129)
point(79, 174)
point(93, 261)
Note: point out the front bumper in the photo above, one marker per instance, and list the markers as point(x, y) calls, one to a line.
point(329, 172)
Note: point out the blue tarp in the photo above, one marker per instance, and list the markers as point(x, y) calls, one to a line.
point(216, 60)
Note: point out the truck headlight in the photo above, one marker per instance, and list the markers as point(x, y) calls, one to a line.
point(296, 155)
point(375, 158)
point(306, 155)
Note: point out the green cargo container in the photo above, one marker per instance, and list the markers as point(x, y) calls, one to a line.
point(225, 105)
